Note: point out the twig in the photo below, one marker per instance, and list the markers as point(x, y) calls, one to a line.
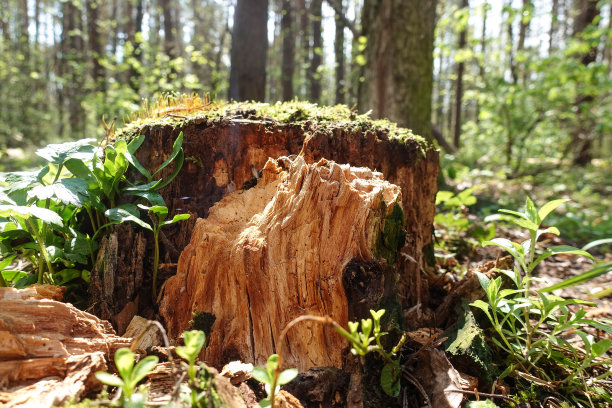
point(412, 380)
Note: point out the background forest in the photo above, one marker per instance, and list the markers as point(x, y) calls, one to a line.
point(512, 90)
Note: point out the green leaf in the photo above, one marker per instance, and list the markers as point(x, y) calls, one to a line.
point(261, 375)
point(390, 380)
point(129, 154)
point(4, 198)
point(516, 213)
point(598, 270)
point(601, 347)
point(549, 207)
point(58, 153)
point(593, 244)
point(180, 159)
point(119, 215)
point(79, 169)
point(124, 361)
point(109, 379)
point(532, 212)
point(6, 262)
point(143, 368)
point(68, 191)
point(175, 219)
point(65, 275)
point(286, 376)
point(26, 212)
point(194, 341)
point(153, 197)
point(176, 148)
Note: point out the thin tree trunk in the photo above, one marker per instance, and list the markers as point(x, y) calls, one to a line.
point(459, 84)
point(554, 22)
point(314, 78)
point(583, 136)
point(288, 57)
point(607, 53)
point(339, 53)
point(169, 30)
point(249, 50)
point(95, 44)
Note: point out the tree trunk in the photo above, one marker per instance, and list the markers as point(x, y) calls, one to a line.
point(584, 133)
point(314, 77)
point(339, 54)
point(288, 57)
point(169, 32)
point(302, 204)
point(249, 50)
point(95, 45)
point(554, 22)
point(398, 73)
point(461, 44)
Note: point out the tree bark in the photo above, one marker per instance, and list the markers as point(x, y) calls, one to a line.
point(339, 54)
point(554, 22)
point(95, 44)
point(314, 77)
point(288, 54)
point(461, 43)
point(249, 51)
point(584, 133)
point(398, 73)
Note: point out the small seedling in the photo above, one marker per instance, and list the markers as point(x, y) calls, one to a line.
point(194, 341)
point(130, 376)
point(272, 380)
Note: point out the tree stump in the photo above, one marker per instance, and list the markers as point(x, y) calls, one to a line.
point(275, 239)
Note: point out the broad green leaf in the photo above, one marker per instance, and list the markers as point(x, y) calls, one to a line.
point(124, 361)
point(119, 215)
point(485, 282)
point(4, 198)
point(159, 210)
point(69, 191)
point(79, 169)
point(549, 207)
point(272, 364)
point(143, 368)
point(176, 148)
point(109, 379)
point(6, 262)
point(598, 270)
point(558, 250)
point(390, 379)
point(443, 196)
point(58, 153)
point(20, 180)
point(13, 276)
point(153, 197)
point(66, 275)
point(549, 230)
point(26, 212)
point(261, 375)
point(286, 376)
point(527, 224)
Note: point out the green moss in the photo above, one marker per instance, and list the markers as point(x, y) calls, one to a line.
point(293, 112)
point(466, 342)
point(392, 235)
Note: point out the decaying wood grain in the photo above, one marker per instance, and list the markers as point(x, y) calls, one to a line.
point(223, 154)
point(50, 341)
point(277, 251)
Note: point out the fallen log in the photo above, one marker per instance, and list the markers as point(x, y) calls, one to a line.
point(49, 350)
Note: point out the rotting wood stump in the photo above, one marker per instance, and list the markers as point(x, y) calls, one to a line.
point(230, 184)
point(267, 255)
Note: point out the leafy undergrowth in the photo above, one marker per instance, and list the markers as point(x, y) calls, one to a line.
point(546, 315)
